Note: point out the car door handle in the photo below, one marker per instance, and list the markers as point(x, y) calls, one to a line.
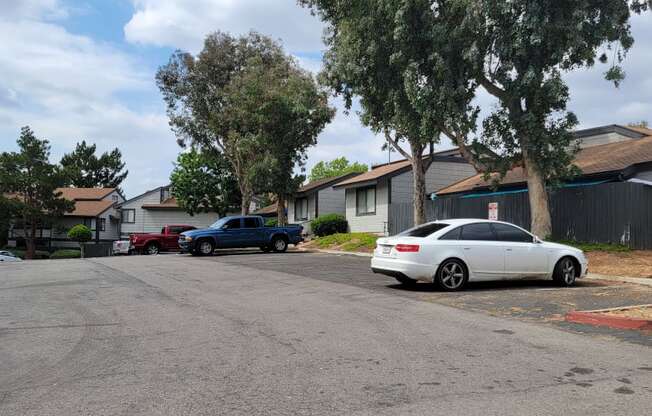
point(508, 249)
point(467, 248)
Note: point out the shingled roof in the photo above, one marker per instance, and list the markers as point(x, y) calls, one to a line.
point(601, 160)
point(398, 167)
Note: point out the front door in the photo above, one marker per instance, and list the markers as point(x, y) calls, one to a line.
point(232, 234)
point(523, 257)
point(484, 255)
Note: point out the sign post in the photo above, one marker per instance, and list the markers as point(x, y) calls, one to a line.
point(493, 211)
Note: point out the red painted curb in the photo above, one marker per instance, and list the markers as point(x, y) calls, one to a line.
point(616, 322)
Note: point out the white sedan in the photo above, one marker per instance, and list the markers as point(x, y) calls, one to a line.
point(451, 253)
point(7, 256)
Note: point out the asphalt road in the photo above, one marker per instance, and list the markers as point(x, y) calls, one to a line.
point(176, 335)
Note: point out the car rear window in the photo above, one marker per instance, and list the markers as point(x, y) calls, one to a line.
point(424, 230)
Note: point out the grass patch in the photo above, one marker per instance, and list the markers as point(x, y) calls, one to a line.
point(608, 247)
point(347, 241)
point(66, 254)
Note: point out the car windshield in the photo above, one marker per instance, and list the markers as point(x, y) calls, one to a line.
point(424, 230)
point(219, 223)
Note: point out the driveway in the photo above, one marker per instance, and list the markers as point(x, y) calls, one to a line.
point(177, 335)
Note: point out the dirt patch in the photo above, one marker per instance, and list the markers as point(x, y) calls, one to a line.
point(643, 312)
point(637, 263)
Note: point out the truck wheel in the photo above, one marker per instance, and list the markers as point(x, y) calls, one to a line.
point(151, 249)
point(205, 248)
point(279, 244)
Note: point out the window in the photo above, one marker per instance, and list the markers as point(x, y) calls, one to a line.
point(301, 209)
point(424, 230)
point(365, 201)
point(176, 229)
point(102, 224)
point(454, 234)
point(508, 233)
point(90, 223)
point(478, 232)
point(233, 224)
point(114, 198)
point(128, 216)
point(251, 223)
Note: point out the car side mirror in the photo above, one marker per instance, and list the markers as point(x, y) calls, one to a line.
point(536, 240)
point(225, 227)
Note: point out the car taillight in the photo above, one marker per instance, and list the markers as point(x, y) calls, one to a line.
point(407, 248)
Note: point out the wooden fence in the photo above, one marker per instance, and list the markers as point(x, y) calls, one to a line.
point(619, 212)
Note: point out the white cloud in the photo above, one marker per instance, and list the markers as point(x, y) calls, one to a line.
point(185, 24)
point(68, 88)
point(32, 9)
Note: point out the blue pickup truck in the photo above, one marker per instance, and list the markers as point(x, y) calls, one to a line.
point(239, 232)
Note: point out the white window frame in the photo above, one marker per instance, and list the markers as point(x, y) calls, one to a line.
point(366, 191)
point(303, 204)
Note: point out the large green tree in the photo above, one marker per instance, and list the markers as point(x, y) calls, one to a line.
point(336, 167)
point(203, 181)
point(84, 169)
point(281, 110)
point(30, 181)
point(416, 65)
point(197, 91)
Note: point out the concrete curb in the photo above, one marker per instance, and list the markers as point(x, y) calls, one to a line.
point(598, 318)
point(637, 280)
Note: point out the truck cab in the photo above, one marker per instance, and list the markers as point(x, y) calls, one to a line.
point(154, 243)
point(240, 232)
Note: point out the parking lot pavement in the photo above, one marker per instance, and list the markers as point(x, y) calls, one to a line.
point(533, 300)
point(178, 335)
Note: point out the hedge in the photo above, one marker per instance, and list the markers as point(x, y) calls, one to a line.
point(329, 224)
point(66, 254)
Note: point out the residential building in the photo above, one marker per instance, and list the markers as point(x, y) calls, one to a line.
point(150, 211)
point(317, 198)
point(94, 207)
point(368, 195)
point(607, 154)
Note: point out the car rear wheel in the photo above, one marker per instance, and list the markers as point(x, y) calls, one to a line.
point(565, 272)
point(279, 244)
point(152, 249)
point(205, 248)
point(452, 275)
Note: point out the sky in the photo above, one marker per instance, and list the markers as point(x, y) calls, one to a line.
point(84, 70)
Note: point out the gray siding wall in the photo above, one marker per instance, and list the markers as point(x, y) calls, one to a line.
point(603, 139)
point(332, 201)
point(438, 176)
point(368, 223)
point(151, 221)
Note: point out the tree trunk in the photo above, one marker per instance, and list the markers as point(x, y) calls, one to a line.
point(419, 179)
point(246, 199)
point(280, 211)
point(541, 224)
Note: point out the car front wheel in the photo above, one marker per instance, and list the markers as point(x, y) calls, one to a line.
point(452, 275)
point(565, 272)
point(205, 248)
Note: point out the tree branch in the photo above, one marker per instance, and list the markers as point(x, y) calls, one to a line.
point(395, 145)
point(492, 88)
point(480, 167)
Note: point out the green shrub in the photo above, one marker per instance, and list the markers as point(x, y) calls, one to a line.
point(271, 222)
point(348, 241)
point(80, 233)
point(66, 254)
point(329, 224)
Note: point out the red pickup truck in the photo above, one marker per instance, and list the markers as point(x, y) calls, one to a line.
point(154, 243)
